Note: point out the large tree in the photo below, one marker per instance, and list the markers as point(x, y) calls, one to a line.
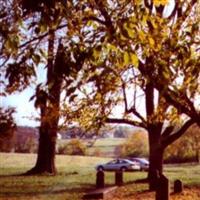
point(146, 52)
point(42, 37)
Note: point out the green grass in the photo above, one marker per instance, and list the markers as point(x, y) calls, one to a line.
point(109, 142)
point(188, 173)
point(104, 146)
point(76, 175)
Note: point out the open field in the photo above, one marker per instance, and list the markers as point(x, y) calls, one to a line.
point(102, 146)
point(76, 175)
point(106, 146)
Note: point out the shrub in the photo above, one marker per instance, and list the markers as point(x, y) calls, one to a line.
point(135, 146)
point(97, 152)
point(74, 147)
point(185, 149)
point(28, 146)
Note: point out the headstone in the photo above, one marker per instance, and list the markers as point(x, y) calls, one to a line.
point(119, 178)
point(100, 179)
point(162, 191)
point(178, 186)
point(103, 193)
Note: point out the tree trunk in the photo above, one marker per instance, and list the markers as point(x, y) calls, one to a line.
point(155, 159)
point(47, 142)
point(46, 153)
point(50, 113)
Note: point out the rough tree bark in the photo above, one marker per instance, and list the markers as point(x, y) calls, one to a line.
point(155, 158)
point(49, 113)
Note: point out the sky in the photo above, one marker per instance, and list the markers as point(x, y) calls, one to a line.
point(24, 108)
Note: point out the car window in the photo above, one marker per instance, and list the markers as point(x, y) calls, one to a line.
point(123, 161)
point(112, 162)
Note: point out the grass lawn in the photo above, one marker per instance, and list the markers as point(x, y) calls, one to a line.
point(76, 175)
point(105, 146)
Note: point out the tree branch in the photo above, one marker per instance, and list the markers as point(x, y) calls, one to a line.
point(171, 97)
point(94, 19)
point(178, 10)
point(171, 138)
point(40, 37)
point(167, 131)
point(125, 121)
point(148, 5)
point(108, 21)
point(125, 99)
point(132, 109)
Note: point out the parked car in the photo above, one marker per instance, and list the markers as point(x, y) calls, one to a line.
point(119, 164)
point(143, 162)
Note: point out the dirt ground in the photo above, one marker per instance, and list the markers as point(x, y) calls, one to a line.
point(187, 194)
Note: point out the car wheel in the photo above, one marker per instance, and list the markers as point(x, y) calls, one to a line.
point(100, 168)
point(123, 169)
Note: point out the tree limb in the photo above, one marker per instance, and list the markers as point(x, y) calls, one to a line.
point(125, 121)
point(171, 138)
point(94, 19)
point(171, 97)
point(40, 37)
point(108, 21)
point(167, 131)
point(178, 10)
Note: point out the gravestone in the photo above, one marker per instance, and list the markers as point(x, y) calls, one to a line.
point(119, 178)
point(103, 193)
point(162, 190)
point(100, 179)
point(178, 186)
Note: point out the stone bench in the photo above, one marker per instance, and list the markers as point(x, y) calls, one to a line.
point(100, 193)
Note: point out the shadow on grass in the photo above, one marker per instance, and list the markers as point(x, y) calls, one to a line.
point(57, 189)
point(138, 181)
point(38, 175)
point(10, 175)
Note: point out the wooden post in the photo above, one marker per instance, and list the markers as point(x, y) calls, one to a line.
point(119, 178)
point(162, 191)
point(100, 179)
point(178, 186)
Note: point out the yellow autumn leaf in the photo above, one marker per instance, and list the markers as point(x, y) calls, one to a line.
point(126, 58)
point(134, 59)
point(151, 42)
point(160, 2)
point(130, 59)
point(111, 47)
point(130, 30)
point(96, 53)
point(130, 33)
point(141, 35)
